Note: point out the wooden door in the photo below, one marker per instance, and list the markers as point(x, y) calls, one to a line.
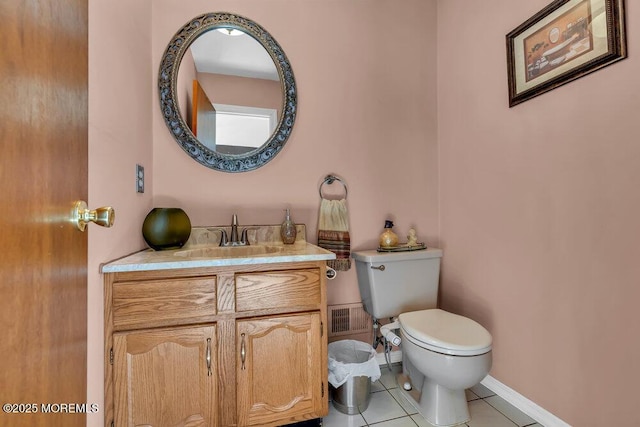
point(43, 169)
point(166, 378)
point(281, 376)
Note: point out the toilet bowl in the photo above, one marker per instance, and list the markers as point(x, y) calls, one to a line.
point(442, 353)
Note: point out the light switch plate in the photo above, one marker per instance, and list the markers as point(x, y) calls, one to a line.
point(139, 179)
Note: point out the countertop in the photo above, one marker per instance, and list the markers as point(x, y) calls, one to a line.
point(149, 259)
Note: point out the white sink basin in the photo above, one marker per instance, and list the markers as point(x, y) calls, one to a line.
point(229, 251)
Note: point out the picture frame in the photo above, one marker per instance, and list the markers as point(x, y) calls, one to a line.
point(563, 42)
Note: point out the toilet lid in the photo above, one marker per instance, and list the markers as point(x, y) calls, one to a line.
point(445, 332)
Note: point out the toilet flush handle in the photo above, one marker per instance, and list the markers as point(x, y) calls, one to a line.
point(380, 267)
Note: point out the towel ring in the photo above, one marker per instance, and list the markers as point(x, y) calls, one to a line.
point(330, 179)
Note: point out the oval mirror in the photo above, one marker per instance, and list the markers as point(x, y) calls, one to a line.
point(227, 92)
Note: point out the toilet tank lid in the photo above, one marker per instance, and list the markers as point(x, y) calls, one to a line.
point(375, 256)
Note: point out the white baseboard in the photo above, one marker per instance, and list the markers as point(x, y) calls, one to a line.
point(539, 414)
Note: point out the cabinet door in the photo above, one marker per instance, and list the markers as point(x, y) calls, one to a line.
point(166, 378)
point(279, 369)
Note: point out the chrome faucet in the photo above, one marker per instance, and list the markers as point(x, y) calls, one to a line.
point(234, 229)
point(243, 241)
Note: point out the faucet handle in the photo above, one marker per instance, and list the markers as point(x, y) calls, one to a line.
point(244, 238)
point(224, 241)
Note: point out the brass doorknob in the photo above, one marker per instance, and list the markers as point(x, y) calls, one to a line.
point(81, 215)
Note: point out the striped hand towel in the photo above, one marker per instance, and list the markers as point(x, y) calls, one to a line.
point(333, 232)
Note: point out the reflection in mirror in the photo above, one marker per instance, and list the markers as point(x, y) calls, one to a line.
point(241, 129)
point(227, 92)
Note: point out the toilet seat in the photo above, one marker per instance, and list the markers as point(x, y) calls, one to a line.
point(443, 332)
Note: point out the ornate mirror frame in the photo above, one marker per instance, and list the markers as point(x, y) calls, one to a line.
point(167, 84)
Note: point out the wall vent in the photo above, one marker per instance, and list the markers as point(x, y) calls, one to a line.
point(347, 319)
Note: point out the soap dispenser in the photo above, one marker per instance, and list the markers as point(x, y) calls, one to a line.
point(388, 239)
point(288, 230)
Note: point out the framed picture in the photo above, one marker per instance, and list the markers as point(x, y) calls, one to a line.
point(563, 42)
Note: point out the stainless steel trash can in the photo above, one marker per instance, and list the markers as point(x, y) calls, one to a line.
point(352, 367)
point(352, 397)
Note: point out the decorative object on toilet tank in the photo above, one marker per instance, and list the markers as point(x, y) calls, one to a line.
point(166, 228)
point(388, 239)
point(412, 238)
point(412, 243)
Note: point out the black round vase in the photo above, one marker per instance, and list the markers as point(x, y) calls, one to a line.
point(166, 228)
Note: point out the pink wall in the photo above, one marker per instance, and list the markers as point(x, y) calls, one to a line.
point(536, 206)
point(539, 213)
point(120, 135)
point(259, 93)
point(367, 112)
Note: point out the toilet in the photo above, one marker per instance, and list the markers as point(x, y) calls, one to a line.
point(442, 353)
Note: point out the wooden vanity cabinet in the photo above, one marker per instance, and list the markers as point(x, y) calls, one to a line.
point(217, 346)
point(278, 376)
point(164, 377)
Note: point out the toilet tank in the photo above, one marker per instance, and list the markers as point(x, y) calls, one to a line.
point(391, 283)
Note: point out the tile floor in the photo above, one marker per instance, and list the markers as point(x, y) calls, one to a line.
point(388, 408)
